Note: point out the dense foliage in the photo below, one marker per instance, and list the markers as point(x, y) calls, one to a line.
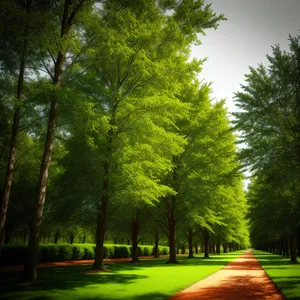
point(270, 123)
point(108, 93)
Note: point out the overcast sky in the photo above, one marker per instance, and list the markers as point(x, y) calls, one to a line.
point(244, 40)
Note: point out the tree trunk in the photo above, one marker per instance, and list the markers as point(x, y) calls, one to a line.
point(156, 249)
point(287, 247)
point(283, 247)
point(218, 248)
point(56, 236)
point(13, 141)
point(225, 247)
point(213, 248)
point(190, 240)
point(172, 224)
point(298, 243)
point(71, 238)
point(30, 266)
point(293, 247)
point(206, 242)
point(135, 225)
point(229, 246)
point(156, 241)
point(196, 248)
point(30, 271)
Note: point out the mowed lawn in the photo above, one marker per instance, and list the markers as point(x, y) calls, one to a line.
point(285, 275)
point(150, 279)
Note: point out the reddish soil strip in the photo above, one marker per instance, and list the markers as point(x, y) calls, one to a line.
point(242, 279)
point(77, 262)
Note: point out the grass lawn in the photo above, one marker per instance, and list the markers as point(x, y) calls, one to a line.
point(285, 275)
point(150, 279)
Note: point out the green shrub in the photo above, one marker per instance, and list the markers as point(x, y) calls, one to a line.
point(48, 252)
point(164, 250)
point(147, 250)
point(109, 251)
point(77, 251)
point(64, 252)
point(121, 251)
point(88, 252)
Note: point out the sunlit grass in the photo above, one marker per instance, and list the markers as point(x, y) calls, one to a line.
point(150, 279)
point(285, 275)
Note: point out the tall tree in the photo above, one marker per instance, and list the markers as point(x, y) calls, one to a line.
point(269, 119)
point(66, 13)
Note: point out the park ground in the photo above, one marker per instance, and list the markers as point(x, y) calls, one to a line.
point(150, 279)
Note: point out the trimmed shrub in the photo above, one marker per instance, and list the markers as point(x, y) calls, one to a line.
point(121, 251)
point(164, 250)
point(77, 251)
point(147, 250)
point(88, 252)
point(109, 251)
point(64, 252)
point(48, 252)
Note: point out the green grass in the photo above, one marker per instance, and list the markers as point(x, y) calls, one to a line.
point(150, 279)
point(285, 275)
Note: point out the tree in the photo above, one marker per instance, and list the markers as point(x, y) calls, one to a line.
point(269, 119)
point(66, 13)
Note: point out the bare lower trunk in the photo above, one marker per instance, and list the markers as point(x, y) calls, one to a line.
point(101, 223)
point(9, 174)
point(206, 242)
point(171, 224)
point(190, 240)
point(156, 241)
point(13, 141)
point(293, 247)
point(218, 248)
point(225, 247)
point(134, 236)
point(287, 247)
point(196, 247)
point(30, 267)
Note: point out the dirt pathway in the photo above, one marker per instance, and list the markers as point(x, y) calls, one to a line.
point(77, 262)
point(242, 279)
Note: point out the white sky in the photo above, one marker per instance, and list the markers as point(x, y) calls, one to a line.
point(253, 26)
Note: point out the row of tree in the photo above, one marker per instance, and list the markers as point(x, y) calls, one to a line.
point(269, 119)
point(108, 94)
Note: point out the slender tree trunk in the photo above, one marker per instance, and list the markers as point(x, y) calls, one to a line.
point(206, 242)
point(190, 241)
point(283, 247)
point(56, 236)
point(230, 247)
point(172, 224)
point(156, 249)
point(156, 241)
point(287, 247)
point(134, 236)
point(218, 248)
point(30, 267)
point(196, 247)
point(293, 247)
point(13, 141)
point(30, 271)
point(298, 243)
point(225, 247)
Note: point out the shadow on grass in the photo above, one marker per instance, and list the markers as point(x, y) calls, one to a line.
point(285, 274)
point(66, 278)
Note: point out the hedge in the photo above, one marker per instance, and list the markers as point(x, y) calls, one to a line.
point(16, 254)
